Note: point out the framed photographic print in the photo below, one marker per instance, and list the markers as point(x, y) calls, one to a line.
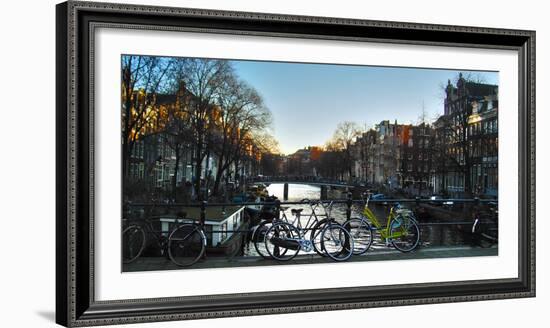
point(214, 163)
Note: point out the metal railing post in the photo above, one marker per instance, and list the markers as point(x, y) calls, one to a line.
point(277, 209)
point(348, 203)
point(276, 249)
point(203, 213)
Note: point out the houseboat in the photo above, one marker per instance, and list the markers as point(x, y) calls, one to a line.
point(225, 228)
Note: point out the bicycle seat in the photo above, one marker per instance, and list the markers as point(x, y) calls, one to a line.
point(296, 210)
point(284, 208)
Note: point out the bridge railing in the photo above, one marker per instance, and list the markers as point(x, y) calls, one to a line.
point(298, 178)
point(349, 202)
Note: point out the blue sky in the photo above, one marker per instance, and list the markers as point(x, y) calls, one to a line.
point(309, 100)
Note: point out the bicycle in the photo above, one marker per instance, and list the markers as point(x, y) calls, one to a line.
point(313, 224)
point(485, 228)
point(400, 231)
point(335, 241)
point(184, 245)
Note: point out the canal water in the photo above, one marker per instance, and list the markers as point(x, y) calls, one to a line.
point(433, 233)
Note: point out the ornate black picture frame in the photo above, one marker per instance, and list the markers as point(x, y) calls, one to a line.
point(75, 301)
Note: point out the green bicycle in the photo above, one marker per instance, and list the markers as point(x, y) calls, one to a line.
point(401, 230)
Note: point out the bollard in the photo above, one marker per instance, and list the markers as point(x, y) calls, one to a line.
point(476, 207)
point(348, 203)
point(277, 209)
point(285, 192)
point(203, 220)
point(203, 213)
point(276, 249)
point(324, 192)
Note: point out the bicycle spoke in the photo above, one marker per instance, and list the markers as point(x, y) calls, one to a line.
point(282, 241)
point(186, 245)
point(404, 234)
point(133, 243)
point(337, 242)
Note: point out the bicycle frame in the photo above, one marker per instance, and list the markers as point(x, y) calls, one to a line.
point(160, 236)
point(384, 230)
point(311, 221)
point(305, 244)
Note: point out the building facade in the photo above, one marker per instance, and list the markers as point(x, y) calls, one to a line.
point(415, 168)
point(466, 140)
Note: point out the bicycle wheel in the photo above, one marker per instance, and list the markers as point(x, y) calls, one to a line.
point(258, 238)
point(361, 233)
point(337, 242)
point(186, 244)
point(282, 241)
point(315, 236)
point(133, 243)
point(404, 233)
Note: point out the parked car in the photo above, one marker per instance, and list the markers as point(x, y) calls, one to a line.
point(436, 200)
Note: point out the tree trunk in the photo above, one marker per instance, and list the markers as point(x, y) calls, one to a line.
point(467, 181)
point(125, 137)
point(237, 173)
point(175, 180)
point(198, 171)
point(221, 169)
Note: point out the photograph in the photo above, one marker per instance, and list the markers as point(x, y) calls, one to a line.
point(228, 162)
point(236, 163)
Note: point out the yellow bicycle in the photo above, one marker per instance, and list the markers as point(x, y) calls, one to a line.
point(400, 231)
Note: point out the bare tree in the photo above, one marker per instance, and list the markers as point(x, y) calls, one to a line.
point(343, 139)
point(453, 149)
point(423, 117)
point(177, 134)
point(249, 123)
point(331, 162)
point(267, 143)
point(242, 115)
point(142, 78)
point(204, 79)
